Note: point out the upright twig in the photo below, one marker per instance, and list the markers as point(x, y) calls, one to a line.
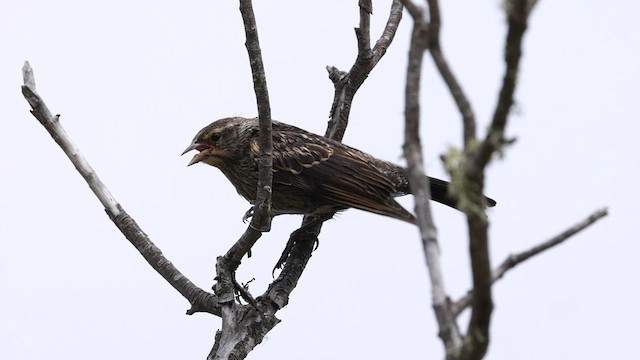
point(517, 17)
point(261, 218)
point(448, 328)
point(243, 326)
point(460, 98)
point(347, 83)
point(477, 338)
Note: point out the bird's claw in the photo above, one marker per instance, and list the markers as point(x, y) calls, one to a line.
point(247, 215)
point(295, 236)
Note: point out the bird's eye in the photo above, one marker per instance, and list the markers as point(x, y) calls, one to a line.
point(214, 137)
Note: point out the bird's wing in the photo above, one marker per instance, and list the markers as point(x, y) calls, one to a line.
point(344, 176)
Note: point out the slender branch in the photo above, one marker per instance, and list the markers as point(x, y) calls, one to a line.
point(515, 259)
point(261, 218)
point(363, 32)
point(243, 326)
point(477, 338)
point(389, 32)
point(52, 124)
point(517, 12)
point(200, 300)
point(449, 331)
point(347, 85)
point(461, 100)
point(416, 11)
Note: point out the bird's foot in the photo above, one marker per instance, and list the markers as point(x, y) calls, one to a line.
point(307, 232)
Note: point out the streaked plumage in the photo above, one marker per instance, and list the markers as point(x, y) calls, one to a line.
point(311, 173)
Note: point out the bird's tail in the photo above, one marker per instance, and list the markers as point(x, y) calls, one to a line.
point(440, 193)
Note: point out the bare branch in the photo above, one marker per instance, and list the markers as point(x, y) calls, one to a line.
point(517, 12)
point(200, 300)
point(513, 260)
point(449, 331)
point(389, 32)
point(261, 219)
point(243, 327)
point(477, 338)
point(363, 32)
point(416, 12)
point(461, 100)
point(52, 124)
point(347, 85)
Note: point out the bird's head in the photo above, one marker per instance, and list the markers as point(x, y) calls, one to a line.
point(216, 142)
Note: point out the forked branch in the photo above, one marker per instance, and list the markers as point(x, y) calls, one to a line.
point(515, 259)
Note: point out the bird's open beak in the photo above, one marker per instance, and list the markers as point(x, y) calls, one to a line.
point(193, 146)
point(204, 152)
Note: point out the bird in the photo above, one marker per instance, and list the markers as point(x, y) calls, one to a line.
point(312, 174)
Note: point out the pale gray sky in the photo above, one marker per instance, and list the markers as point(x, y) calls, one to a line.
point(134, 81)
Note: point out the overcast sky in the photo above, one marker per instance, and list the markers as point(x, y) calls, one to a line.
point(134, 81)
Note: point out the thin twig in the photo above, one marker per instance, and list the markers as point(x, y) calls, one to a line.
point(261, 219)
point(460, 98)
point(477, 338)
point(449, 331)
point(346, 87)
point(200, 300)
point(363, 32)
point(515, 259)
point(517, 22)
point(389, 32)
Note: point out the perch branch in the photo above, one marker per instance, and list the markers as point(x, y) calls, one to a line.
point(244, 326)
point(515, 259)
point(199, 299)
point(261, 218)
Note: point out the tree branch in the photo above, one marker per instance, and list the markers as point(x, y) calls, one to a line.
point(461, 100)
point(244, 326)
point(515, 259)
point(517, 16)
point(346, 84)
point(262, 214)
point(477, 338)
point(448, 328)
point(199, 299)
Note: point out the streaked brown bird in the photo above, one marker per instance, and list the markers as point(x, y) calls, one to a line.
point(312, 174)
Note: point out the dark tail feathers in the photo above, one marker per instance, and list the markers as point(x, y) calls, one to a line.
point(440, 193)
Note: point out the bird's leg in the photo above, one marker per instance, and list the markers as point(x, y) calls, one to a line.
point(299, 234)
